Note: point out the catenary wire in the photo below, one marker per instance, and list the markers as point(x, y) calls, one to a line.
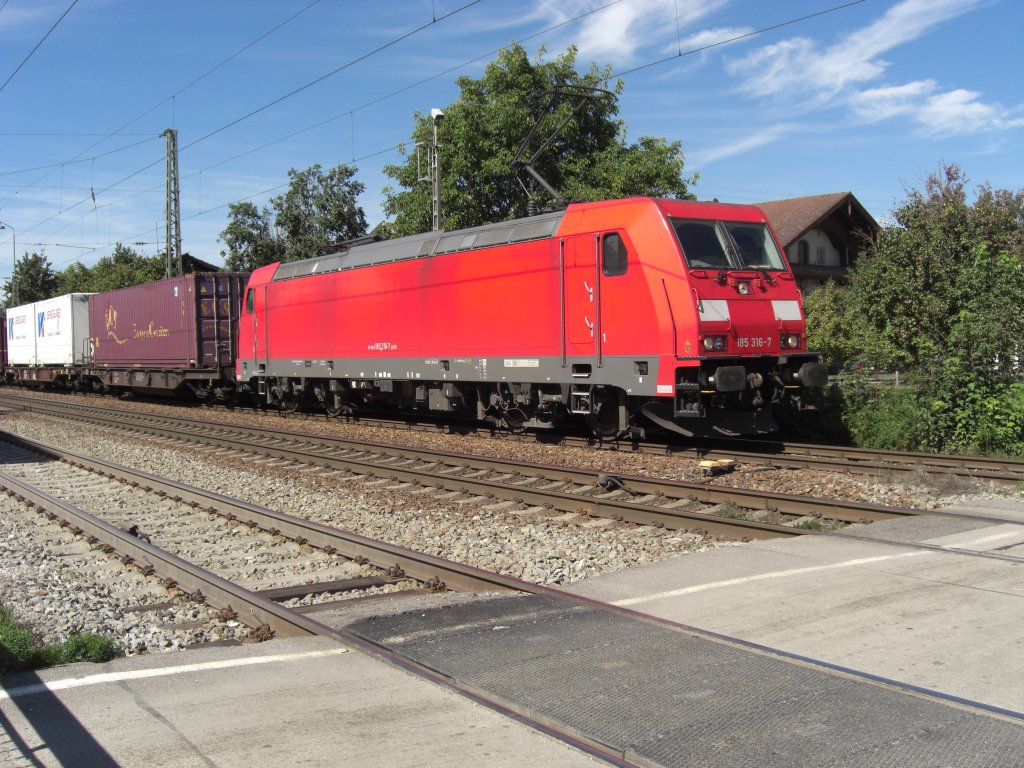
point(392, 148)
point(30, 53)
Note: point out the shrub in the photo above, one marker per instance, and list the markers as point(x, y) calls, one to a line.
point(21, 650)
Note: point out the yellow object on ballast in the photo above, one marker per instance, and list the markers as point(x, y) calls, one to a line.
point(717, 466)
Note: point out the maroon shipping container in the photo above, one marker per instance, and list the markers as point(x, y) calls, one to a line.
point(185, 322)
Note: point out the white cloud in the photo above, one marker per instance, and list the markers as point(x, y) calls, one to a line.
point(799, 67)
point(876, 104)
point(618, 32)
point(959, 111)
point(800, 70)
point(701, 158)
point(945, 113)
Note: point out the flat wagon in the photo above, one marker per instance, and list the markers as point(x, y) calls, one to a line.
point(47, 339)
point(173, 335)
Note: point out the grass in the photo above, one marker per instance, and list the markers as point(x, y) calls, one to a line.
point(730, 510)
point(820, 524)
point(21, 650)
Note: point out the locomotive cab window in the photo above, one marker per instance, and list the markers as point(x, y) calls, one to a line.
point(709, 244)
point(614, 256)
point(250, 301)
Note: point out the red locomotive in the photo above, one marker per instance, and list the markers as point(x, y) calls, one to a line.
point(624, 313)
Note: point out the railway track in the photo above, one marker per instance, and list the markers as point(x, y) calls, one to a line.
point(891, 465)
point(235, 556)
point(735, 513)
point(886, 465)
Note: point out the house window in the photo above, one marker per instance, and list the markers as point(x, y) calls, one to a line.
point(803, 251)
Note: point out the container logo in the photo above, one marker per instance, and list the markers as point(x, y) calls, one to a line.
point(16, 327)
point(147, 332)
point(48, 324)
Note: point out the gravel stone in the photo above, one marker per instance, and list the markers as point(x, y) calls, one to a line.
point(59, 587)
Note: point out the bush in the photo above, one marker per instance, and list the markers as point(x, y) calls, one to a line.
point(21, 650)
point(88, 647)
point(18, 646)
point(886, 418)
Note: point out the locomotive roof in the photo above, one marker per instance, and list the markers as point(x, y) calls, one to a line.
point(426, 244)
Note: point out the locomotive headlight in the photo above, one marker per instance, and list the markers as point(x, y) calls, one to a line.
point(743, 287)
point(714, 343)
point(789, 341)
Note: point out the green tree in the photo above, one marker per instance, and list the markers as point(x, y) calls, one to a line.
point(122, 268)
point(252, 239)
point(932, 294)
point(33, 280)
point(828, 327)
point(319, 210)
point(74, 278)
point(589, 158)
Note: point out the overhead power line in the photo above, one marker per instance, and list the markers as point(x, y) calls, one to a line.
point(161, 103)
point(393, 148)
point(744, 36)
point(81, 160)
point(208, 72)
point(107, 188)
point(23, 61)
point(333, 72)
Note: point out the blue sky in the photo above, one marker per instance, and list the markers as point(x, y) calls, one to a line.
point(870, 98)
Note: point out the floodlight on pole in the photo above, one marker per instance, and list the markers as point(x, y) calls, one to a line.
point(14, 260)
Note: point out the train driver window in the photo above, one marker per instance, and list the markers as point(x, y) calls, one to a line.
point(250, 301)
point(614, 256)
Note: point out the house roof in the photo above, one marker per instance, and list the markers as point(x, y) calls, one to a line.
point(793, 216)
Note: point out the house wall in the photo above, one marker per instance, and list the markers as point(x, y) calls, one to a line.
point(820, 250)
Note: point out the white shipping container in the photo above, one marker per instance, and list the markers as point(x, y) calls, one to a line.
point(21, 337)
point(61, 329)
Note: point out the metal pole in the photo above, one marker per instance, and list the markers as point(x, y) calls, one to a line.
point(435, 118)
point(173, 261)
point(14, 261)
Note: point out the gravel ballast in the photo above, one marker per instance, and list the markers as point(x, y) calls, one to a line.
point(58, 593)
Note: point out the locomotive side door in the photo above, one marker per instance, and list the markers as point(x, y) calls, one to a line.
point(257, 299)
point(581, 324)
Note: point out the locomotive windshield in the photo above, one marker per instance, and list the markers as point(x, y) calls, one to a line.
point(710, 244)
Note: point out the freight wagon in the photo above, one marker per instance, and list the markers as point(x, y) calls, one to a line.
point(46, 340)
point(174, 335)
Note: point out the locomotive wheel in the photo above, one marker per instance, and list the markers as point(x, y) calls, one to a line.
point(335, 412)
point(289, 402)
point(287, 399)
point(604, 425)
point(514, 419)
